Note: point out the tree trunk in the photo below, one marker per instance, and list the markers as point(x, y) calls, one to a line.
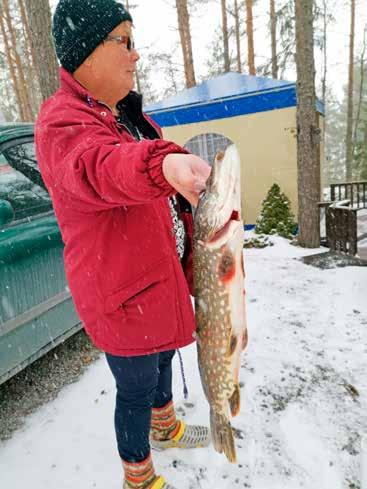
point(28, 33)
point(238, 35)
point(227, 63)
point(324, 76)
point(22, 85)
point(348, 139)
point(30, 63)
point(360, 95)
point(185, 36)
point(39, 18)
point(273, 30)
point(324, 54)
point(307, 130)
point(11, 66)
point(250, 38)
point(23, 89)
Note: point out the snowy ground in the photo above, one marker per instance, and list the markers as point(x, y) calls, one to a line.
point(303, 407)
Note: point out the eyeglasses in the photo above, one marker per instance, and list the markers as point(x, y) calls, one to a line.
point(125, 40)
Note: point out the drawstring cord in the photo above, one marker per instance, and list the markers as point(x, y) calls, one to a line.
point(185, 390)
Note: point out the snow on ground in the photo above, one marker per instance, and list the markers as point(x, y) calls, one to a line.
point(303, 390)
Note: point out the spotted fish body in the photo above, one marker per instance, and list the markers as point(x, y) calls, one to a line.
point(219, 295)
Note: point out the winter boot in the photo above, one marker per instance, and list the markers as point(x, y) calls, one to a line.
point(169, 432)
point(141, 475)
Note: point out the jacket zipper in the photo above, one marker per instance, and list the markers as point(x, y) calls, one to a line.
point(125, 127)
point(122, 125)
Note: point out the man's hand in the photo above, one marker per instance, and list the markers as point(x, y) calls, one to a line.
point(187, 174)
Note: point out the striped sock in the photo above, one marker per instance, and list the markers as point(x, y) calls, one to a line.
point(164, 424)
point(139, 475)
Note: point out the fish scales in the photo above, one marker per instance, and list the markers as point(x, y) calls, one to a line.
point(214, 323)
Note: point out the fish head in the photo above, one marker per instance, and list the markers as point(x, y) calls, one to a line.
point(219, 209)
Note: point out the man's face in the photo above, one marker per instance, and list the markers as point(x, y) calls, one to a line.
point(113, 64)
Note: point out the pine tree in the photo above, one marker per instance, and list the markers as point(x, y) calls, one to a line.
point(15, 49)
point(250, 37)
point(273, 34)
point(359, 139)
point(227, 62)
point(39, 18)
point(334, 165)
point(236, 14)
point(214, 62)
point(282, 32)
point(183, 19)
point(308, 133)
point(350, 101)
point(276, 216)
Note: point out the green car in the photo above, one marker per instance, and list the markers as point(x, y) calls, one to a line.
point(36, 309)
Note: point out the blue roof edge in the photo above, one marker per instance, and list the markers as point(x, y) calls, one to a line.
point(215, 99)
point(248, 103)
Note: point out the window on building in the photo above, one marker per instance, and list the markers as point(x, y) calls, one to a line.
point(207, 145)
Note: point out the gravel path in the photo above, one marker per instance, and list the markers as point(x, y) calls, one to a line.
point(42, 381)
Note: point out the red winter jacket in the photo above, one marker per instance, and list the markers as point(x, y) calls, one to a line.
point(110, 200)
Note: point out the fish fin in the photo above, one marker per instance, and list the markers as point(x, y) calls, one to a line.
point(235, 400)
point(222, 435)
point(227, 266)
point(244, 339)
point(232, 345)
point(243, 265)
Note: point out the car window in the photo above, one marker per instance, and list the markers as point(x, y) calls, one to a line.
point(21, 183)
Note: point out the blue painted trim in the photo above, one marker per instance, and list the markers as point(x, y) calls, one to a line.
point(162, 107)
point(227, 85)
point(228, 107)
point(248, 227)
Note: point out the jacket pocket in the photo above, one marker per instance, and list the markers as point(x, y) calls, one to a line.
point(158, 273)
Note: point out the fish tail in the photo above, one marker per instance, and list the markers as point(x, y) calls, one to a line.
point(222, 435)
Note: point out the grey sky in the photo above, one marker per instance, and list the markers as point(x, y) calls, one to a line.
point(155, 22)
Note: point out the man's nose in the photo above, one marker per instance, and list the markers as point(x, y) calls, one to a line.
point(135, 55)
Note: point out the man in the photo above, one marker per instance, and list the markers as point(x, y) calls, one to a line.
point(119, 192)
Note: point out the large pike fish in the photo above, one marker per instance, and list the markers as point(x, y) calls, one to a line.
point(219, 295)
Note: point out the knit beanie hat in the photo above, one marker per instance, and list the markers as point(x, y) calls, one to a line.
point(79, 26)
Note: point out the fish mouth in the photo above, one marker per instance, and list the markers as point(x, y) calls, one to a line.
point(222, 231)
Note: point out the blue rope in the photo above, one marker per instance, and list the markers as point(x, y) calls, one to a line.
point(185, 390)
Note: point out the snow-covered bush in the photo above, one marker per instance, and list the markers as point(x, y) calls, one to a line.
point(276, 216)
point(260, 241)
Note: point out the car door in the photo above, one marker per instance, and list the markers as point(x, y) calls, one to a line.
point(36, 310)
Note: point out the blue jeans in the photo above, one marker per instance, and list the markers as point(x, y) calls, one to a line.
point(142, 382)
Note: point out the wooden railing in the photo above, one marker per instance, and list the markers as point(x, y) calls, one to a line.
point(355, 192)
point(341, 227)
point(339, 232)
